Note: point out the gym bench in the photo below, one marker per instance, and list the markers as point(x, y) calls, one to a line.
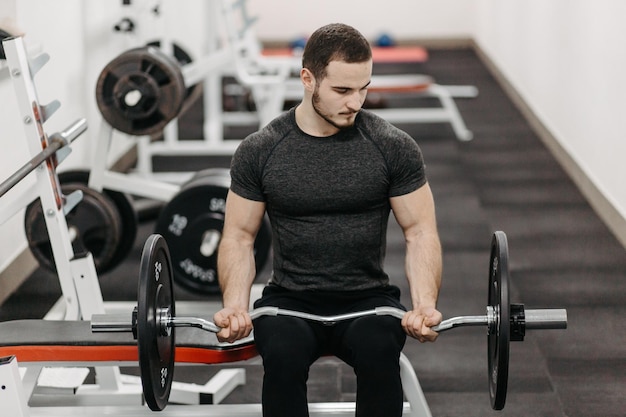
point(72, 343)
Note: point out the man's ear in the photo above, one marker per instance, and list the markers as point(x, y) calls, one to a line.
point(308, 80)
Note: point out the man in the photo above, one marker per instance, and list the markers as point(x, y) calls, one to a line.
point(328, 174)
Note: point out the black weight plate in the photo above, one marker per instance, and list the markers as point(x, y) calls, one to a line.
point(155, 293)
point(94, 224)
point(124, 204)
point(221, 177)
point(183, 222)
point(499, 332)
point(140, 91)
point(192, 224)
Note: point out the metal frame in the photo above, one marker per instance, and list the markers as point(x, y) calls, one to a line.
point(14, 401)
point(33, 115)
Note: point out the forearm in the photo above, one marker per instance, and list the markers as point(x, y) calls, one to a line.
point(423, 267)
point(236, 271)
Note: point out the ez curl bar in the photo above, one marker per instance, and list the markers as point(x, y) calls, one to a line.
point(153, 321)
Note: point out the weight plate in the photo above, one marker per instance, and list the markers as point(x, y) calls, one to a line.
point(192, 224)
point(499, 331)
point(155, 341)
point(140, 91)
point(94, 226)
point(128, 215)
point(221, 177)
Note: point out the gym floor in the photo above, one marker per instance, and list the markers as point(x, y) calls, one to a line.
point(561, 256)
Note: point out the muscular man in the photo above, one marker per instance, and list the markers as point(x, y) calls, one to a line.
point(328, 174)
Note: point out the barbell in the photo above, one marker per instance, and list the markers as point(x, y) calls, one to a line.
point(153, 322)
point(50, 147)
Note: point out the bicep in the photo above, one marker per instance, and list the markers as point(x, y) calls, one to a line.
point(415, 211)
point(242, 218)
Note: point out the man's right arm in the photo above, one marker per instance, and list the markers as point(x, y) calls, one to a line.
point(236, 268)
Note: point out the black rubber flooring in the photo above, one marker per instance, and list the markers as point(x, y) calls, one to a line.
point(562, 256)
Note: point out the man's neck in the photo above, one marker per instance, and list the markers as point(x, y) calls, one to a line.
point(311, 123)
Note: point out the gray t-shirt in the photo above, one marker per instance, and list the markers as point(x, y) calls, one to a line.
point(328, 197)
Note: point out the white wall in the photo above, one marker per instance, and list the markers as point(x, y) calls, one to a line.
point(566, 58)
point(405, 19)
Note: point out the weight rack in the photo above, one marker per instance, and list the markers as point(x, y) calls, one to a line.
point(77, 274)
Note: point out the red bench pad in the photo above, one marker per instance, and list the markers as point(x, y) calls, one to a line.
point(73, 341)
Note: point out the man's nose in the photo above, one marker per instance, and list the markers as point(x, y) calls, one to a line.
point(355, 101)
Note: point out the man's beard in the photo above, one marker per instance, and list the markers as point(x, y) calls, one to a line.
point(315, 100)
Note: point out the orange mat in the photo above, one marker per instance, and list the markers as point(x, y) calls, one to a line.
point(382, 55)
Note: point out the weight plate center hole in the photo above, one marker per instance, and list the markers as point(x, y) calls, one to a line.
point(73, 233)
point(210, 241)
point(132, 98)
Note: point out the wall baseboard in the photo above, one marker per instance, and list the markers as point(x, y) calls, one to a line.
point(607, 212)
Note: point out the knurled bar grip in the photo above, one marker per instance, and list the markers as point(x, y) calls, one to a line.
point(55, 142)
point(534, 319)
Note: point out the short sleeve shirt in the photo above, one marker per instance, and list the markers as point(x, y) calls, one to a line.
point(327, 198)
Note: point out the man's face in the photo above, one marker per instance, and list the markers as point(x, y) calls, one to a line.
point(339, 96)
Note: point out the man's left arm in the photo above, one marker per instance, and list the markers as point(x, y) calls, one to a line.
point(415, 213)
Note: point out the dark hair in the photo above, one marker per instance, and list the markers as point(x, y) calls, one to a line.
point(334, 42)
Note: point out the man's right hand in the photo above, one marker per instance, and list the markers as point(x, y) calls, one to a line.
point(235, 323)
